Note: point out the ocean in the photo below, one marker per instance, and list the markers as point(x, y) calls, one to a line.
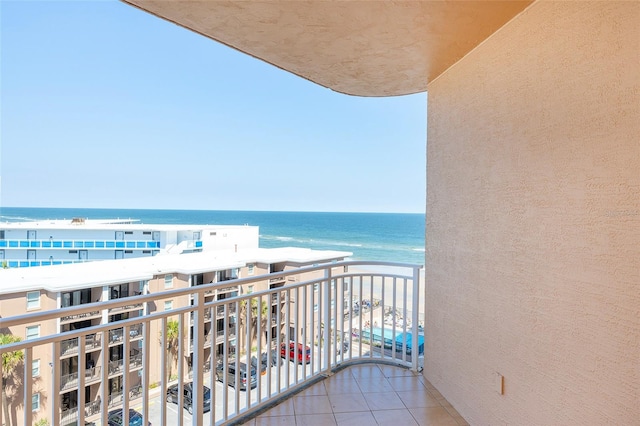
point(392, 237)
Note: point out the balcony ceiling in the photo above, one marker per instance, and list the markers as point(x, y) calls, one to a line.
point(375, 48)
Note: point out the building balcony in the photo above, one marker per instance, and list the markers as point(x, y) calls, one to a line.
point(81, 317)
point(326, 339)
point(116, 336)
point(70, 381)
point(70, 415)
point(70, 347)
point(66, 244)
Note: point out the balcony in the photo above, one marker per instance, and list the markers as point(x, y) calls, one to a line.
point(332, 336)
point(70, 381)
point(66, 244)
point(80, 317)
point(70, 346)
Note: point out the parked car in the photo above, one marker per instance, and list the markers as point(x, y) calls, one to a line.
point(264, 361)
point(115, 418)
point(187, 390)
point(231, 375)
point(300, 355)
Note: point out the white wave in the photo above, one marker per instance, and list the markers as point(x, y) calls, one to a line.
point(422, 249)
point(16, 219)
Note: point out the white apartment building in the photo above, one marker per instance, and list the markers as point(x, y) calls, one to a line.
point(57, 242)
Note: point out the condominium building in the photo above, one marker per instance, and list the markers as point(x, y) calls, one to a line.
point(56, 242)
point(31, 290)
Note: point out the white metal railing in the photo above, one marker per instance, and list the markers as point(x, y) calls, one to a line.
point(268, 342)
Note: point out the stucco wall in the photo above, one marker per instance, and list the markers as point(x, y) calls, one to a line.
point(533, 220)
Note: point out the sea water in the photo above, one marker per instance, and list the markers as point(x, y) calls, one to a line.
point(391, 237)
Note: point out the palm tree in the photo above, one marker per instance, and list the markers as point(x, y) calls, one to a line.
point(171, 340)
point(255, 314)
point(10, 360)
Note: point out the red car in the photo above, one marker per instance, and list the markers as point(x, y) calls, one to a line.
point(302, 355)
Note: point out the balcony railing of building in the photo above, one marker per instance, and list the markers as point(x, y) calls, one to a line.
point(67, 244)
point(116, 336)
point(356, 312)
point(70, 381)
point(68, 415)
point(70, 346)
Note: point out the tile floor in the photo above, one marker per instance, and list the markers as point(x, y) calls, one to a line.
point(367, 394)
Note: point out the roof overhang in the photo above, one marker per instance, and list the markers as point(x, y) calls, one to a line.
point(375, 48)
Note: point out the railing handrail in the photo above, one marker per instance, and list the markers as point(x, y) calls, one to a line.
point(110, 304)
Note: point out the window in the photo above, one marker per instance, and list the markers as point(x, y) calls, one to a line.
point(35, 402)
point(168, 281)
point(33, 332)
point(33, 299)
point(35, 368)
point(146, 232)
point(128, 232)
point(168, 305)
point(250, 267)
point(250, 290)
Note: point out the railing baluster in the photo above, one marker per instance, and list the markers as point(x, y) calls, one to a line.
point(82, 371)
point(278, 340)
point(415, 315)
point(145, 372)
point(296, 344)
point(125, 374)
point(55, 384)
point(198, 357)
point(304, 329)
point(104, 386)
point(269, 344)
point(28, 388)
point(163, 373)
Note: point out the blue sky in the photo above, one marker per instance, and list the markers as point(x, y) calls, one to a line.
point(106, 106)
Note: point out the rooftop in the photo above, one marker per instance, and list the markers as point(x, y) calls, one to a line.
point(91, 274)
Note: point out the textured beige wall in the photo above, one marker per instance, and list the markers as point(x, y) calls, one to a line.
point(533, 220)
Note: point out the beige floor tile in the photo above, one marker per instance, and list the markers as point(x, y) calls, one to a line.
point(341, 386)
point(374, 385)
point(366, 371)
point(360, 418)
point(317, 389)
point(315, 420)
point(383, 401)
point(391, 371)
point(394, 417)
point(433, 416)
point(418, 398)
point(406, 383)
point(314, 404)
point(347, 402)
point(342, 375)
point(275, 420)
point(285, 408)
